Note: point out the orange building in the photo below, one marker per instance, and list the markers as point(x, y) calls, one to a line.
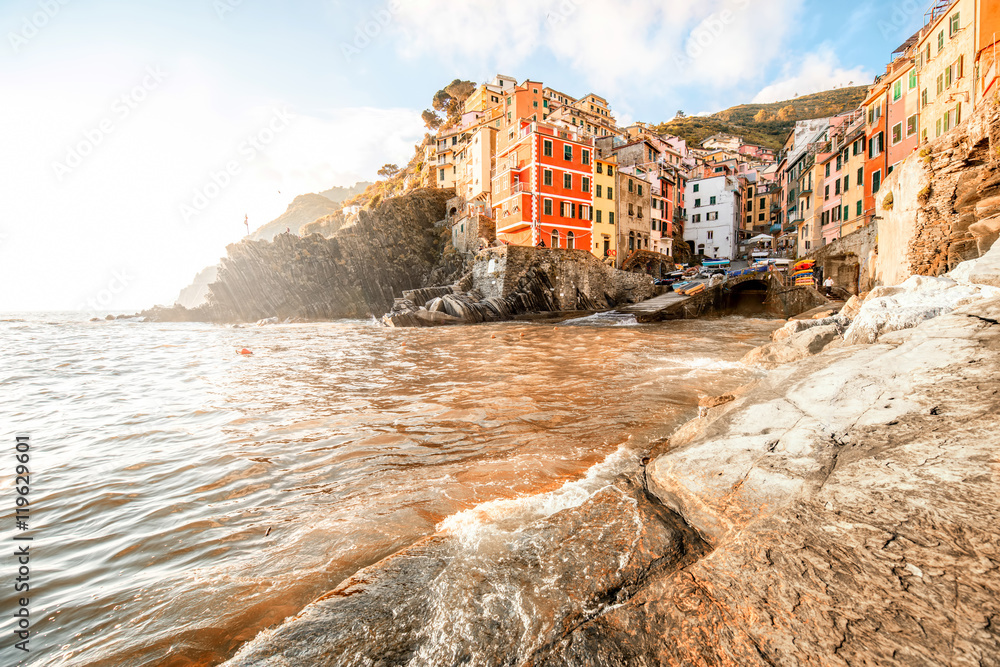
point(543, 186)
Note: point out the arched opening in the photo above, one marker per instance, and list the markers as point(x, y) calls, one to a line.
point(570, 240)
point(631, 240)
point(747, 298)
point(554, 238)
point(453, 212)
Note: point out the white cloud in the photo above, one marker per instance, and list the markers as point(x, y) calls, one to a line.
point(621, 47)
point(817, 72)
point(119, 210)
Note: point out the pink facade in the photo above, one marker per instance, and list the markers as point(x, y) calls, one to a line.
point(902, 137)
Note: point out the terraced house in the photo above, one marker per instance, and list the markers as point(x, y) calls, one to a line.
point(543, 186)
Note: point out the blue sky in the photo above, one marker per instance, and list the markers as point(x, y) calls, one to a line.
point(126, 162)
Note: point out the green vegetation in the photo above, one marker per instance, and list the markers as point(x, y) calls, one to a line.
point(765, 124)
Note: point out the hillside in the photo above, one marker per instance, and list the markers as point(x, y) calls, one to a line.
point(765, 124)
point(302, 210)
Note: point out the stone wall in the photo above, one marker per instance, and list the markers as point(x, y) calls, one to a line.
point(499, 271)
point(945, 201)
point(469, 232)
point(851, 260)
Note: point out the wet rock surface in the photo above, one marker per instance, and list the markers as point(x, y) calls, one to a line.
point(851, 501)
point(485, 596)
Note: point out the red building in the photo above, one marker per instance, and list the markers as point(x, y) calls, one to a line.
point(542, 186)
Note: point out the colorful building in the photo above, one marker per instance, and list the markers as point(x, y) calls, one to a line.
point(604, 231)
point(542, 186)
point(946, 51)
point(634, 201)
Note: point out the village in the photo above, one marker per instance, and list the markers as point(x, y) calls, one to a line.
point(534, 166)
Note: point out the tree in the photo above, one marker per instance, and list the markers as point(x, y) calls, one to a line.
point(388, 170)
point(450, 100)
point(680, 114)
point(431, 119)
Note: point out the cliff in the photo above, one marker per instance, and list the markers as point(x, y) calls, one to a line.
point(355, 273)
point(941, 206)
point(196, 294)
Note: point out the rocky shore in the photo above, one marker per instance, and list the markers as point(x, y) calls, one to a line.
point(841, 511)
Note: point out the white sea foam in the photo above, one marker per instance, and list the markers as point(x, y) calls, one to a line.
point(496, 517)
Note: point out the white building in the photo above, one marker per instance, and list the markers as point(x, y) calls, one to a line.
point(714, 209)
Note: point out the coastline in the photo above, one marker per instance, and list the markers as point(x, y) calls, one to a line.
point(840, 507)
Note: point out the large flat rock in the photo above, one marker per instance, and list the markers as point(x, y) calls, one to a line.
point(852, 500)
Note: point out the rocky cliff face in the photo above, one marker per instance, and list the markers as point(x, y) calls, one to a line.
point(356, 273)
point(196, 294)
point(941, 206)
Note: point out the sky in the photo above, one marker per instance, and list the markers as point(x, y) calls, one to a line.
point(137, 137)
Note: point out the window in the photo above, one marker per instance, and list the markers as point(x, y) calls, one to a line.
point(826, 193)
point(638, 213)
point(749, 220)
point(947, 120)
point(547, 148)
point(611, 171)
point(714, 215)
point(545, 104)
point(959, 67)
point(611, 217)
point(585, 157)
point(597, 190)
point(949, 76)
point(937, 128)
point(897, 90)
point(570, 240)
point(940, 84)
point(631, 240)
point(568, 153)
point(876, 145)
point(597, 215)
point(955, 24)
point(631, 185)
point(611, 192)
point(923, 98)
point(940, 41)
point(567, 181)
point(696, 217)
point(828, 170)
point(836, 187)
point(697, 203)
point(535, 104)
point(912, 83)
point(631, 209)
point(847, 212)
point(696, 187)
point(847, 182)
point(760, 217)
point(876, 181)
point(639, 188)
point(711, 201)
point(911, 125)
point(547, 177)
point(762, 203)
point(861, 176)
point(555, 238)
point(897, 133)
point(442, 175)
point(710, 235)
point(859, 207)
point(600, 168)
point(585, 184)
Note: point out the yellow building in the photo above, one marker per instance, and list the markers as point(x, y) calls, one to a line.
point(604, 225)
point(945, 54)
